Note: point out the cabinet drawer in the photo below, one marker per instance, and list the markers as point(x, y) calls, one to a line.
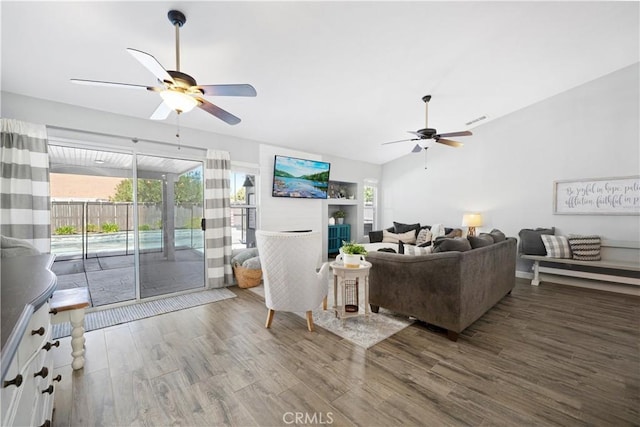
point(9, 394)
point(33, 341)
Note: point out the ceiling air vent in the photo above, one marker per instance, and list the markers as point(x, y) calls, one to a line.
point(474, 121)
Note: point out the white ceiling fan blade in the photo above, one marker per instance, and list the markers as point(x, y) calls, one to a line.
point(461, 133)
point(228, 90)
point(162, 112)
point(113, 84)
point(402, 140)
point(151, 64)
point(214, 110)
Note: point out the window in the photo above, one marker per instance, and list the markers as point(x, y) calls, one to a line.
point(243, 208)
point(370, 198)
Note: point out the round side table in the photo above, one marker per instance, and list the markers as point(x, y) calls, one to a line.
point(344, 277)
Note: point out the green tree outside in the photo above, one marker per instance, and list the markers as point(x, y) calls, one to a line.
point(188, 189)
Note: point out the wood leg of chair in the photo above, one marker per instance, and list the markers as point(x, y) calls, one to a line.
point(324, 303)
point(269, 318)
point(310, 321)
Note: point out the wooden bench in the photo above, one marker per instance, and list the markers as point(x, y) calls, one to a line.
point(617, 255)
point(68, 305)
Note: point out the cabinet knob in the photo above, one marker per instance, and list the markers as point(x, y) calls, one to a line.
point(43, 372)
point(48, 345)
point(57, 378)
point(53, 311)
point(48, 390)
point(17, 381)
point(39, 331)
point(47, 423)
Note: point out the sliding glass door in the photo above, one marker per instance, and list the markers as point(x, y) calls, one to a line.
point(97, 229)
point(170, 237)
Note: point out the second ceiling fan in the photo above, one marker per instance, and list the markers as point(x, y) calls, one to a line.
point(179, 91)
point(431, 133)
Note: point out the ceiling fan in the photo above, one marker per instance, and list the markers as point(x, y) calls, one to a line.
point(179, 91)
point(430, 133)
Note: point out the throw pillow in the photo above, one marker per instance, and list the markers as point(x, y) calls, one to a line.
point(487, 236)
point(530, 241)
point(585, 248)
point(437, 230)
point(400, 247)
point(424, 236)
point(480, 241)
point(456, 232)
point(400, 228)
point(498, 236)
point(416, 250)
point(390, 250)
point(448, 244)
point(556, 246)
point(389, 237)
point(375, 236)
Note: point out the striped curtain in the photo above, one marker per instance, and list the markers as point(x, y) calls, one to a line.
point(217, 211)
point(24, 183)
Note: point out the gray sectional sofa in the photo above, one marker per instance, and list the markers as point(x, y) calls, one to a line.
point(447, 289)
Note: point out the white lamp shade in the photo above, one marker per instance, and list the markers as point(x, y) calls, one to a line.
point(471, 220)
point(178, 101)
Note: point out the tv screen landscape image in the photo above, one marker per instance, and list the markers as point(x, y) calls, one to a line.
point(300, 178)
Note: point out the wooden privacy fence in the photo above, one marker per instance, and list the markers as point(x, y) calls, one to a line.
point(94, 215)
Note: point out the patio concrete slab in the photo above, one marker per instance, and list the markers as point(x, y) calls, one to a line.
point(70, 281)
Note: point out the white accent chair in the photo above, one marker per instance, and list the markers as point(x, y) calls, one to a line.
point(292, 281)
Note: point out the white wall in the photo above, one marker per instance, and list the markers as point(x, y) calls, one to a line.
point(507, 168)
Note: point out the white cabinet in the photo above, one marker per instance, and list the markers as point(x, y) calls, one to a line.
point(28, 382)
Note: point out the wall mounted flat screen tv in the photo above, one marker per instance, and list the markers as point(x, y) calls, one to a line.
point(300, 178)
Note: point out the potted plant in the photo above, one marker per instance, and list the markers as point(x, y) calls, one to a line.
point(339, 216)
point(352, 254)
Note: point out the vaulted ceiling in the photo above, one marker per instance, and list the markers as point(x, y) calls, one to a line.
point(338, 77)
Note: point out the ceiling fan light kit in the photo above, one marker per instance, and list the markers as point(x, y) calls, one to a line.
point(179, 91)
point(178, 101)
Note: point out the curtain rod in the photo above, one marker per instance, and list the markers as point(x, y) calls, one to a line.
point(134, 139)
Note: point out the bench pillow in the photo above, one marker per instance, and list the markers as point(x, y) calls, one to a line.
point(556, 246)
point(530, 241)
point(585, 248)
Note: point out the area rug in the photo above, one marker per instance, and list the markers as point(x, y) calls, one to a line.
point(117, 315)
point(362, 331)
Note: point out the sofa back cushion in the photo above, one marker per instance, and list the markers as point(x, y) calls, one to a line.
point(448, 244)
point(480, 241)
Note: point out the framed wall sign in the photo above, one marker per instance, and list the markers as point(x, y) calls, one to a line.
point(597, 196)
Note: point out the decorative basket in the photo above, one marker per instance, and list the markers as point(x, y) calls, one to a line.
point(247, 278)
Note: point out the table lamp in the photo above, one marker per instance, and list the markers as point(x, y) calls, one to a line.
point(472, 220)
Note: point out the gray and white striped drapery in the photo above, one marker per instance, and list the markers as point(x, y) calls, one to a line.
point(217, 211)
point(24, 183)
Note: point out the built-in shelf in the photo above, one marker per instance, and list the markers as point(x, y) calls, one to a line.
point(340, 190)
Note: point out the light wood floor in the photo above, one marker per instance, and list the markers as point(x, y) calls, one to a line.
point(552, 355)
